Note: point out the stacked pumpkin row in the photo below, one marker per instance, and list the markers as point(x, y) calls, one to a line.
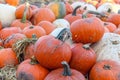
point(60, 41)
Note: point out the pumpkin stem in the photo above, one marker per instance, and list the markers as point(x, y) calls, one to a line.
point(64, 35)
point(107, 67)
point(119, 11)
point(84, 15)
point(109, 10)
point(75, 10)
point(67, 71)
point(20, 46)
point(31, 27)
point(33, 60)
point(23, 20)
point(86, 46)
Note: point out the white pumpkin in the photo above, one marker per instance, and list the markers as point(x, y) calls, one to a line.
point(89, 7)
point(77, 3)
point(108, 47)
point(106, 6)
point(7, 14)
point(61, 23)
point(63, 33)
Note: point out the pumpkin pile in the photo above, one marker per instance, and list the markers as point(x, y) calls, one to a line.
point(60, 40)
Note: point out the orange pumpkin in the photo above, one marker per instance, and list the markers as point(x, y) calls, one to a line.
point(6, 32)
point(30, 70)
point(84, 56)
point(21, 9)
point(105, 70)
point(44, 14)
point(12, 39)
point(49, 50)
point(73, 16)
point(47, 26)
point(114, 18)
point(111, 27)
point(29, 51)
point(37, 30)
point(13, 2)
point(20, 23)
point(88, 30)
point(65, 73)
point(7, 57)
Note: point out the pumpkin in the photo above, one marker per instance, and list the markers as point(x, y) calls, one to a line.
point(23, 46)
point(58, 8)
point(68, 8)
point(111, 27)
point(83, 58)
point(88, 30)
point(30, 70)
point(88, 6)
point(117, 31)
point(73, 16)
point(29, 51)
point(61, 23)
point(7, 57)
point(20, 11)
point(68, 34)
point(105, 70)
point(7, 14)
point(13, 2)
point(12, 39)
point(77, 3)
point(65, 73)
point(43, 14)
point(37, 30)
point(6, 32)
point(49, 49)
point(114, 18)
point(23, 22)
point(108, 5)
point(47, 26)
point(108, 47)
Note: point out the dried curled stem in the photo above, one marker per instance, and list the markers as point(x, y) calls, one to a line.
point(8, 73)
point(20, 46)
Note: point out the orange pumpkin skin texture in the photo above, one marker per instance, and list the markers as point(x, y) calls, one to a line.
point(83, 58)
point(73, 16)
point(105, 70)
point(29, 51)
point(49, 50)
point(44, 14)
point(88, 30)
point(47, 26)
point(27, 71)
point(65, 73)
point(18, 23)
point(20, 10)
point(12, 39)
point(114, 18)
point(12, 2)
point(37, 30)
point(111, 27)
point(69, 8)
point(7, 57)
point(6, 32)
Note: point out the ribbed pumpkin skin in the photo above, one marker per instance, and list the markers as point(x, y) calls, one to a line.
point(27, 71)
point(98, 72)
point(88, 30)
point(85, 58)
point(57, 75)
point(50, 52)
point(58, 8)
